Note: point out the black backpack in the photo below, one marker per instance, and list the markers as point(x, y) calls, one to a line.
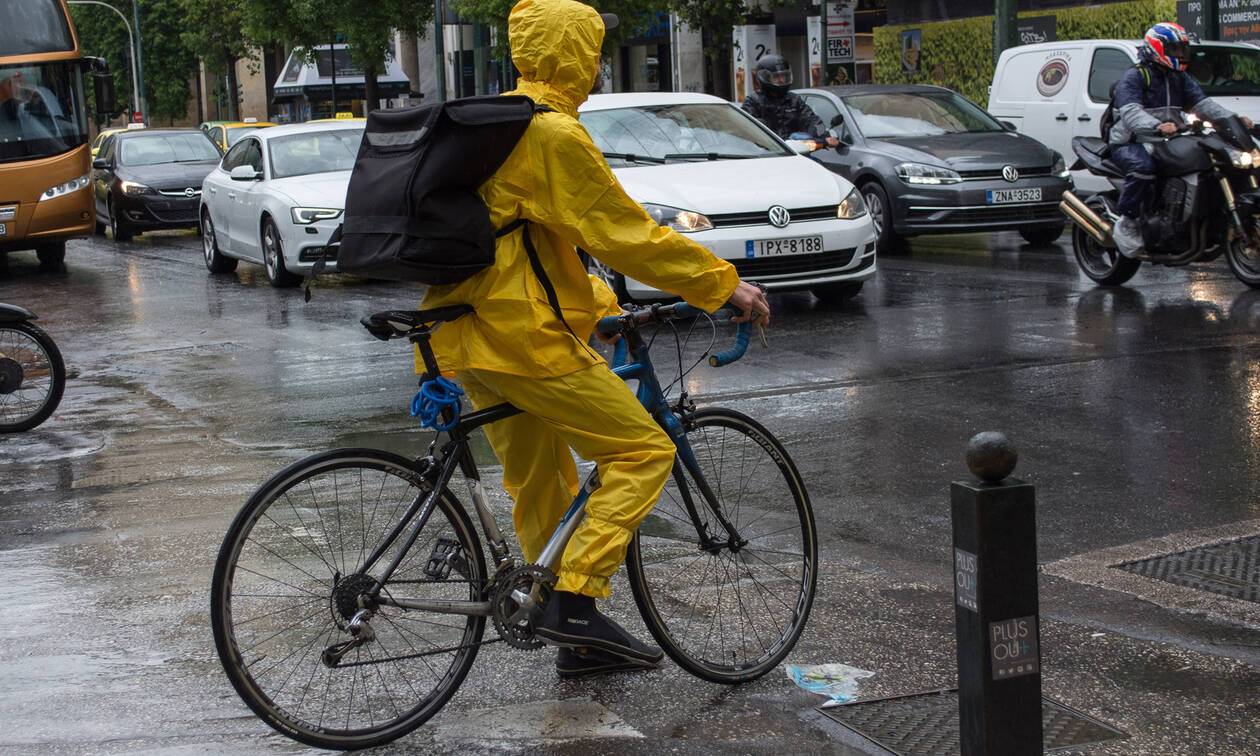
point(412, 209)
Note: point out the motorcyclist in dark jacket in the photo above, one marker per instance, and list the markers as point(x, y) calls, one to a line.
point(1145, 99)
point(784, 112)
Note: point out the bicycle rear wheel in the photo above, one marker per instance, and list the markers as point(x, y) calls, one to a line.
point(287, 582)
point(728, 610)
point(32, 377)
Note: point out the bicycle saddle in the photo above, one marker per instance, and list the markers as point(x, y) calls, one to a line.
point(395, 324)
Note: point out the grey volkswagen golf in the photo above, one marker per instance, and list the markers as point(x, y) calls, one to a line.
point(930, 161)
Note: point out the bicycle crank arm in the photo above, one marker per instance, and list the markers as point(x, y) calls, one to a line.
point(441, 606)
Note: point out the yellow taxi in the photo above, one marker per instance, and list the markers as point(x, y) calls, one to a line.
point(226, 133)
point(100, 138)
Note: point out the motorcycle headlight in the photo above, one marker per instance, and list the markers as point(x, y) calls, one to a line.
point(1059, 168)
point(1241, 159)
point(852, 206)
point(679, 220)
point(919, 173)
point(133, 188)
point(305, 216)
point(72, 185)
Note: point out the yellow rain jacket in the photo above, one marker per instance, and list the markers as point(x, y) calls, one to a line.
point(515, 349)
point(557, 179)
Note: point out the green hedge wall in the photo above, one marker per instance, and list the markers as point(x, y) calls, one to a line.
point(959, 54)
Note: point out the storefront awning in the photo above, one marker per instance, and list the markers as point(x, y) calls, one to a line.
point(315, 80)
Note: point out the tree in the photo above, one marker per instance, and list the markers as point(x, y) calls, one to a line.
point(367, 26)
point(214, 30)
point(168, 63)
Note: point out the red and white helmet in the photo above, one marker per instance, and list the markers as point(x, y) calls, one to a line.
point(1168, 45)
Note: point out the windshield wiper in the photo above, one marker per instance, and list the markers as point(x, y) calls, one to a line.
point(706, 156)
point(630, 157)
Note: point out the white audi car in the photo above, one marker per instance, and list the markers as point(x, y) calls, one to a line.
point(706, 168)
point(276, 197)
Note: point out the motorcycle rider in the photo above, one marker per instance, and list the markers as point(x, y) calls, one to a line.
point(1143, 102)
point(784, 112)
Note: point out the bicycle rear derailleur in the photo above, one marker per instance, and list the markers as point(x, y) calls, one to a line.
point(515, 597)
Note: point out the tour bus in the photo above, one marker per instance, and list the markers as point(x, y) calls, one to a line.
point(45, 168)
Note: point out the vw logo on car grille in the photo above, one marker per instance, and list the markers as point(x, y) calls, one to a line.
point(189, 192)
point(1010, 173)
point(779, 216)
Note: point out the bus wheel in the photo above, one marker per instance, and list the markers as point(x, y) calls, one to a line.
point(51, 256)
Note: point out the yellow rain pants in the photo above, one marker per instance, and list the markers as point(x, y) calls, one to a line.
point(515, 348)
point(594, 413)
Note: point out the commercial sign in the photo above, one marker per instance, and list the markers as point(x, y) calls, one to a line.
point(749, 45)
point(1239, 20)
point(840, 31)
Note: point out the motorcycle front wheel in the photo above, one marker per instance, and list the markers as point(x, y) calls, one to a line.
point(32, 377)
point(1103, 265)
point(1244, 259)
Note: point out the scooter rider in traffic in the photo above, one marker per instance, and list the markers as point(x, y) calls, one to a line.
point(783, 111)
point(1145, 98)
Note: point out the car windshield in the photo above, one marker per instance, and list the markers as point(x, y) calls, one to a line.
point(41, 110)
point(314, 152)
point(1225, 71)
point(910, 114)
point(656, 133)
point(151, 149)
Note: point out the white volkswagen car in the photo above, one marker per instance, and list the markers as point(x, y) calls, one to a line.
point(276, 197)
point(703, 167)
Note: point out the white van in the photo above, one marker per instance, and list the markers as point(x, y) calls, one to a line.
point(1054, 91)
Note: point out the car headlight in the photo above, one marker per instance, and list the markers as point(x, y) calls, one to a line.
point(304, 216)
point(73, 185)
point(679, 220)
point(132, 188)
point(852, 206)
point(919, 173)
point(1059, 168)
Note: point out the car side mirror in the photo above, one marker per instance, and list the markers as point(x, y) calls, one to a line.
point(244, 173)
point(1009, 126)
point(100, 164)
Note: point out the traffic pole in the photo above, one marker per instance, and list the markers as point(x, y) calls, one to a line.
point(995, 604)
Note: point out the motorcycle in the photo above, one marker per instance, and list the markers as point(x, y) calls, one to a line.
point(1206, 202)
point(32, 373)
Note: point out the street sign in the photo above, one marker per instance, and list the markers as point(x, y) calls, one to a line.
point(138, 117)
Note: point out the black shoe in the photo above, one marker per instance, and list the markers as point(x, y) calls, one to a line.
point(583, 661)
point(569, 619)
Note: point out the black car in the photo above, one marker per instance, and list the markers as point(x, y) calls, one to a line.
point(928, 160)
point(150, 179)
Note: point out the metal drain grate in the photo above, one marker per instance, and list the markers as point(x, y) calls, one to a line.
point(926, 724)
point(1230, 569)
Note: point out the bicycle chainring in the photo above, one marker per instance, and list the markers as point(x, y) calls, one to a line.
point(512, 618)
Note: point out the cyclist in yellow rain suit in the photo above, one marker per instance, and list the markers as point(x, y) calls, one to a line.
point(515, 349)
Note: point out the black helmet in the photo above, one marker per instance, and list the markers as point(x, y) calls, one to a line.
point(774, 75)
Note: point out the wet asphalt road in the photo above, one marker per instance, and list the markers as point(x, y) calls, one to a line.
point(1136, 413)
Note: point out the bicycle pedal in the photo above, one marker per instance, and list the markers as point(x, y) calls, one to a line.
point(444, 558)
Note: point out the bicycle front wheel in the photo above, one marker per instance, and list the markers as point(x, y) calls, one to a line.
point(726, 590)
point(32, 377)
point(289, 578)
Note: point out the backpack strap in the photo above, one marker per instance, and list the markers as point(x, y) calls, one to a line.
point(536, 264)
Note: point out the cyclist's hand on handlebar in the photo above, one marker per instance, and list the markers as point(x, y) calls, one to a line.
point(751, 302)
point(1168, 129)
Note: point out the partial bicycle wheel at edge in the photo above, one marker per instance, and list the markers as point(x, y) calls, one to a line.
point(728, 610)
point(32, 376)
point(287, 582)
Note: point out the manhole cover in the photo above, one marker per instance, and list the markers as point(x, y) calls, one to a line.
point(926, 724)
point(1230, 569)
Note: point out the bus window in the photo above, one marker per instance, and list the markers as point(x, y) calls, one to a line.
point(41, 110)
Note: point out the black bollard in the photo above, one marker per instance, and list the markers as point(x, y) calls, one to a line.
point(995, 604)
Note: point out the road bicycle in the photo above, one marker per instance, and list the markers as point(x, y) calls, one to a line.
point(32, 373)
point(352, 590)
